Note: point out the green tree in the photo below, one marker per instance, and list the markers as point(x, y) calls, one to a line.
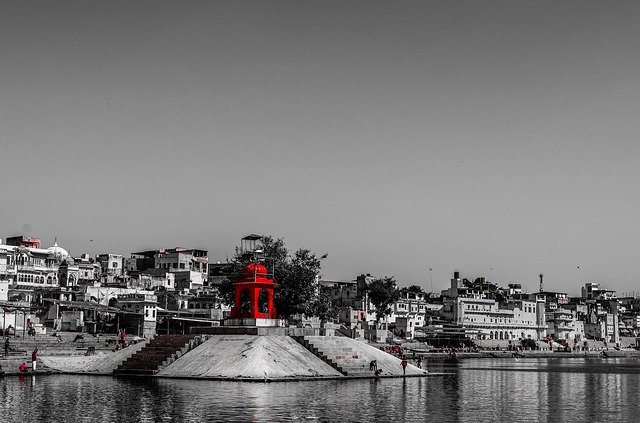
point(295, 275)
point(413, 289)
point(324, 309)
point(383, 293)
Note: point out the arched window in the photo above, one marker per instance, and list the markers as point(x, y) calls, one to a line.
point(501, 336)
point(245, 301)
point(491, 335)
point(263, 301)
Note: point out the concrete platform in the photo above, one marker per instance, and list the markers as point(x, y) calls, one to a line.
point(250, 357)
point(100, 363)
point(353, 357)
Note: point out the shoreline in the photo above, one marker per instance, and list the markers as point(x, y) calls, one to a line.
point(490, 354)
point(9, 364)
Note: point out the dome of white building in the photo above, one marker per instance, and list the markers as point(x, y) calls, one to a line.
point(58, 252)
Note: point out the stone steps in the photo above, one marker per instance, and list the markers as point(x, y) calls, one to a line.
point(159, 353)
point(339, 355)
point(352, 357)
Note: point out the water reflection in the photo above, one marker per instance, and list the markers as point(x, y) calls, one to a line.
point(543, 390)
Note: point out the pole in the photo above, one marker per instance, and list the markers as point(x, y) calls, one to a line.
point(431, 278)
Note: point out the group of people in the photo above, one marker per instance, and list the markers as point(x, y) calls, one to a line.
point(122, 341)
point(373, 367)
point(392, 349)
point(34, 361)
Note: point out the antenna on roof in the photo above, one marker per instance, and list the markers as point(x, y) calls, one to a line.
point(541, 285)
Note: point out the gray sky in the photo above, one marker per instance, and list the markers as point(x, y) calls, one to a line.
point(497, 138)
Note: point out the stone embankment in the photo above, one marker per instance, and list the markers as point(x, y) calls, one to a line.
point(279, 358)
point(227, 357)
point(103, 362)
point(249, 357)
point(611, 353)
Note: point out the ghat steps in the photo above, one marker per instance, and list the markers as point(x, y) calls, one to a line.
point(352, 357)
point(161, 351)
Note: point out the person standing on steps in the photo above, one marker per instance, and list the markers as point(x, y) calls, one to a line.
point(34, 359)
point(404, 367)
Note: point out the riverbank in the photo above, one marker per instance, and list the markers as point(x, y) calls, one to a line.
point(60, 361)
point(243, 358)
point(610, 353)
point(277, 358)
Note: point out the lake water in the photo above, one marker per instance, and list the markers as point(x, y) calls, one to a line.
point(544, 390)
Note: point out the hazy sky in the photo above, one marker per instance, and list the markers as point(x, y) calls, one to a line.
point(497, 138)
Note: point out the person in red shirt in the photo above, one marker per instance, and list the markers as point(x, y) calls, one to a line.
point(23, 368)
point(404, 367)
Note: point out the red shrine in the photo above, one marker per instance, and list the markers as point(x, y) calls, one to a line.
point(254, 294)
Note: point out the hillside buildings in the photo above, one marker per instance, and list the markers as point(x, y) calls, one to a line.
point(169, 290)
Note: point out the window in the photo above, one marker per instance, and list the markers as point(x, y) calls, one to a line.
point(263, 301)
point(181, 265)
point(245, 302)
point(114, 264)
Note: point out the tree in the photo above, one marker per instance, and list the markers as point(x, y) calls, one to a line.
point(383, 293)
point(296, 289)
point(413, 289)
point(324, 309)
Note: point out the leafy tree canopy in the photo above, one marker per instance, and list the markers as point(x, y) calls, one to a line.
point(383, 293)
point(413, 289)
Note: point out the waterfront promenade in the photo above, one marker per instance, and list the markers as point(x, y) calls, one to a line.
point(268, 358)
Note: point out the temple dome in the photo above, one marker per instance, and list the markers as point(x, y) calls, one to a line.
point(58, 252)
point(254, 269)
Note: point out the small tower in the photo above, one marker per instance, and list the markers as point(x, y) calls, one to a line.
point(541, 285)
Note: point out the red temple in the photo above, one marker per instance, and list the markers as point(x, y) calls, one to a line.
point(254, 294)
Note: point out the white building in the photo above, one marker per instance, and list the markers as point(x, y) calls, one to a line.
point(564, 325)
point(487, 319)
point(25, 264)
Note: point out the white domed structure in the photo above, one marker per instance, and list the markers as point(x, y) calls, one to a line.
point(58, 252)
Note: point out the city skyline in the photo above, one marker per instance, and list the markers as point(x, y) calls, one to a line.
point(437, 287)
point(498, 139)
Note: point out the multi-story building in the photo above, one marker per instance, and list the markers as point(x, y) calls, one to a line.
point(142, 310)
point(409, 314)
point(190, 266)
point(218, 272)
point(88, 270)
point(592, 291)
point(25, 264)
point(485, 318)
point(564, 324)
point(341, 293)
point(112, 268)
